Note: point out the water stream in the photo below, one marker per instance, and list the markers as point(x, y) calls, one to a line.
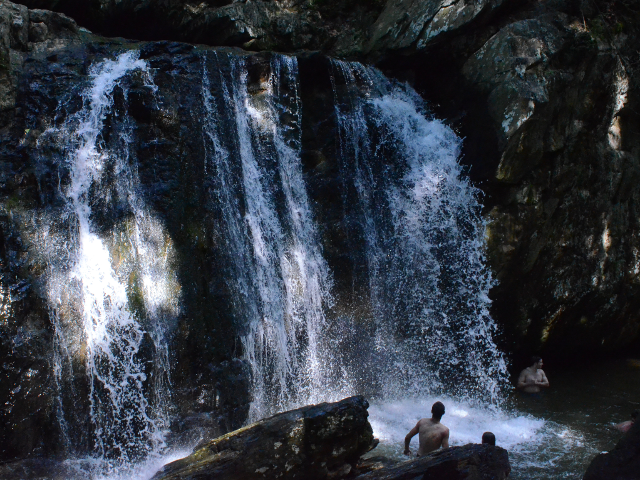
point(423, 333)
point(112, 294)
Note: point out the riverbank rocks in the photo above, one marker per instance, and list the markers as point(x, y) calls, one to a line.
point(315, 442)
point(469, 462)
point(621, 463)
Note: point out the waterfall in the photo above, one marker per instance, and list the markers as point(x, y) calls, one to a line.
point(424, 240)
point(413, 213)
point(416, 322)
point(110, 285)
point(280, 275)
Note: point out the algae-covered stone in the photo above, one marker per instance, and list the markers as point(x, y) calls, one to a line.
point(315, 442)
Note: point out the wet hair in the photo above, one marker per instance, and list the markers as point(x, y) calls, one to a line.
point(490, 438)
point(437, 410)
point(535, 359)
point(634, 414)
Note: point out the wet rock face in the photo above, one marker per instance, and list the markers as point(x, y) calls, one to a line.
point(410, 25)
point(546, 102)
point(263, 25)
point(49, 61)
point(316, 442)
point(621, 463)
point(27, 415)
point(48, 72)
point(469, 462)
point(544, 93)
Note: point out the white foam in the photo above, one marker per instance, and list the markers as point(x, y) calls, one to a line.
point(391, 421)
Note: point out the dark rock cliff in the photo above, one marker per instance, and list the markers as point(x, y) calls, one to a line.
point(545, 94)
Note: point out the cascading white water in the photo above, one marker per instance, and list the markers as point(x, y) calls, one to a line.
point(424, 296)
point(424, 241)
point(427, 283)
point(281, 278)
point(112, 293)
point(422, 238)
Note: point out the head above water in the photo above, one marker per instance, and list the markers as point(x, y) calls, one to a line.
point(437, 410)
point(536, 361)
point(490, 438)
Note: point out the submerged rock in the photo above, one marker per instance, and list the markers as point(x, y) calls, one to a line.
point(470, 462)
point(315, 442)
point(621, 463)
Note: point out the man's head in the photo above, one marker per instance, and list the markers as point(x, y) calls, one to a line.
point(437, 410)
point(490, 438)
point(536, 362)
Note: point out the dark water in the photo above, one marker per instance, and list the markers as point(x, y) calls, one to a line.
point(554, 436)
point(580, 408)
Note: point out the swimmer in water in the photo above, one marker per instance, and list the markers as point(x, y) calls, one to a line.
point(625, 426)
point(532, 378)
point(433, 434)
point(489, 438)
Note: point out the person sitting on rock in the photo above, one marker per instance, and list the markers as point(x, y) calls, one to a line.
point(489, 438)
point(625, 426)
point(532, 378)
point(433, 434)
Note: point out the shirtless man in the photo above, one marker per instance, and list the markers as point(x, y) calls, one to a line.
point(531, 379)
point(432, 433)
point(624, 427)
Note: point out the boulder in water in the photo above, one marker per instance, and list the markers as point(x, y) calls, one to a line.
point(314, 442)
point(621, 463)
point(470, 462)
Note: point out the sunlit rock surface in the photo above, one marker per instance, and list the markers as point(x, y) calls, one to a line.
point(410, 25)
point(315, 442)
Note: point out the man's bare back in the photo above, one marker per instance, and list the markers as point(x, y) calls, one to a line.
point(431, 433)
